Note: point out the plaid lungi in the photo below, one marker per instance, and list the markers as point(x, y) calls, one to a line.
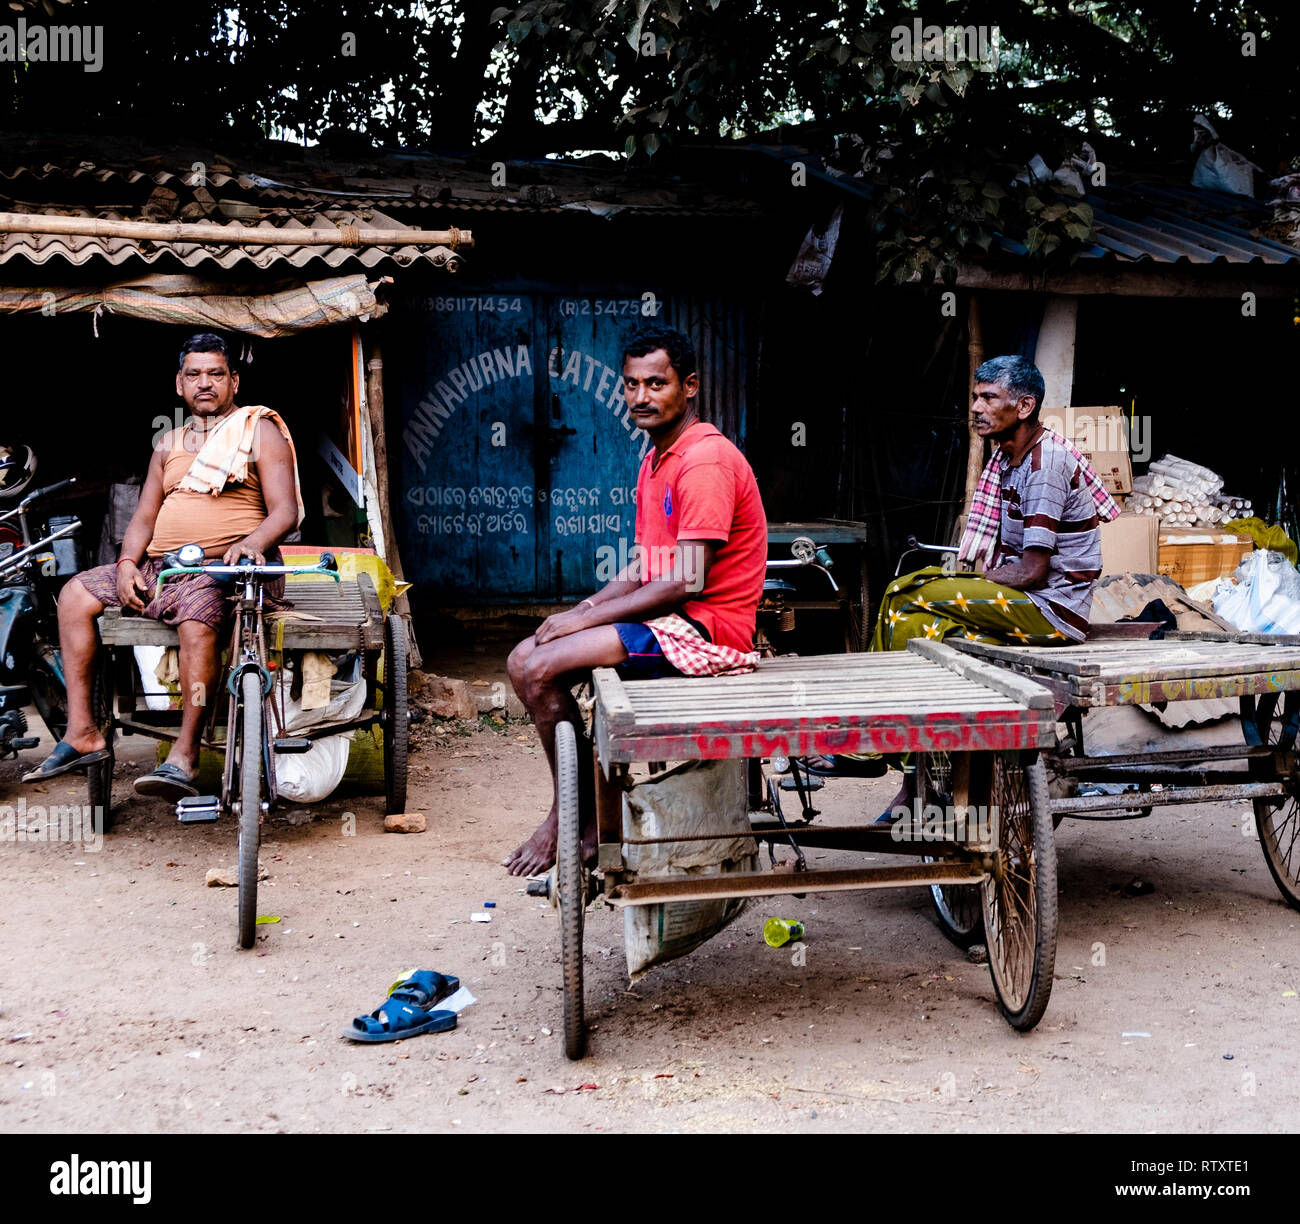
point(694, 655)
point(186, 597)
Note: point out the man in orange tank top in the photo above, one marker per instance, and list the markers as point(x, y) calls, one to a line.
point(230, 525)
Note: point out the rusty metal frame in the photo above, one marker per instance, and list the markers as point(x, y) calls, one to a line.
point(783, 881)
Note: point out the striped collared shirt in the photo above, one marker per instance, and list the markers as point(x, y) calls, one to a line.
point(1047, 502)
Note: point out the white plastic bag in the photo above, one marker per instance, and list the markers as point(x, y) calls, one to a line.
point(698, 797)
point(308, 777)
point(1264, 596)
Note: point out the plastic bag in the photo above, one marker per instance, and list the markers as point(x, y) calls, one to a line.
point(308, 777)
point(1264, 595)
point(698, 797)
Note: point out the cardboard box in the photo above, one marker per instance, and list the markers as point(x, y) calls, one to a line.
point(1102, 435)
point(1130, 545)
point(1189, 557)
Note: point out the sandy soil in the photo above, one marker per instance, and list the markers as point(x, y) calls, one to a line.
point(125, 1004)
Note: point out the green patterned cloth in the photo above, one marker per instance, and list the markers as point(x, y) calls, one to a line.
point(932, 604)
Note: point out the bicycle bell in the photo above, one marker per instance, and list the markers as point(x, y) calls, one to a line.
point(190, 554)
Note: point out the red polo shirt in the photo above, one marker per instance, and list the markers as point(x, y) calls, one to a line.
point(703, 488)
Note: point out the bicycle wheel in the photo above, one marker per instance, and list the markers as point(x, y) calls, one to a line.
point(1277, 820)
point(569, 884)
point(99, 777)
point(1019, 896)
point(957, 906)
point(250, 803)
point(394, 717)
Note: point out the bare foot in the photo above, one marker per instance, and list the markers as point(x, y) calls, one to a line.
point(537, 854)
point(182, 761)
point(85, 740)
point(901, 800)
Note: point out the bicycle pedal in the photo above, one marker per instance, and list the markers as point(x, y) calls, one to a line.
point(291, 744)
point(198, 809)
point(810, 784)
point(29, 741)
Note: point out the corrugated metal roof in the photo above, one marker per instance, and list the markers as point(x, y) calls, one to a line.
point(1146, 222)
point(1140, 221)
point(1168, 224)
point(77, 249)
point(402, 182)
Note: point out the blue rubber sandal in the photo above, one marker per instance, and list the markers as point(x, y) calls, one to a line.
point(397, 1021)
point(168, 781)
point(64, 759)
point(424, 988)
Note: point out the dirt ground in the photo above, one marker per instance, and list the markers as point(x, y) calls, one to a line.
point(125, 1004)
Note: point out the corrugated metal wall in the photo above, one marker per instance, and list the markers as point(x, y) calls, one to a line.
point(722, 329)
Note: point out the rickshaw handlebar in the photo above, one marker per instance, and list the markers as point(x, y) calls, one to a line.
point(247, 569)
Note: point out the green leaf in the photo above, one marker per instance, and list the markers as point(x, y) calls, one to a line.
point(651, 142)
point(957, 81)
point(497, 14)
point(1076, 229)
point(993, 192)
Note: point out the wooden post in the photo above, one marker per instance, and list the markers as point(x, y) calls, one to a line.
point(975, 451)
point(379, 437)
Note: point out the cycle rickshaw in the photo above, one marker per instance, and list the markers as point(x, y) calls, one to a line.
point(244, 723)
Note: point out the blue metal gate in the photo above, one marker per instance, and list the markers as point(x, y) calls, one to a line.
point(519, 459)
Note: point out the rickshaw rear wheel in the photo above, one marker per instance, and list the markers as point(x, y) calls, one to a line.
point(395, 718)
point(1019, 896)
point(1277, 821)
point(99, 777)
point(958, 907)
point(250, 804)
point(569, 884)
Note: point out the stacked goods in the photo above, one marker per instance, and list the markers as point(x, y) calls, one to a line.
point(1183, 494)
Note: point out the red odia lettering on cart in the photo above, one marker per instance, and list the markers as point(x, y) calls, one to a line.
point(1001, 730)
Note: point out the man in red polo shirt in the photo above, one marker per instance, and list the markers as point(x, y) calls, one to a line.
point(686, 604)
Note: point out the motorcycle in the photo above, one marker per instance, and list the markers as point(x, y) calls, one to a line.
point(31, 666)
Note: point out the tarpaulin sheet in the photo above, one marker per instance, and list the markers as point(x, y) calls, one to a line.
point(178, 299)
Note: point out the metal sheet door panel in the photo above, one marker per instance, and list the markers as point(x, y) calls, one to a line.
point(468, 497)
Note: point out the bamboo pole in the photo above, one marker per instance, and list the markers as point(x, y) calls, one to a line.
point(975, 449)
point(379, 441)
point(211, 233)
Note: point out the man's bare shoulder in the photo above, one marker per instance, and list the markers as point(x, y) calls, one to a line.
point(269, 444)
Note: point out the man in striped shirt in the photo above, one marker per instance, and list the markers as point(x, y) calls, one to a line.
point(1037, 515)
point(1046, 550)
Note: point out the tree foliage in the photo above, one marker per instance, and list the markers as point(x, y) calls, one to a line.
point(940, 140)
